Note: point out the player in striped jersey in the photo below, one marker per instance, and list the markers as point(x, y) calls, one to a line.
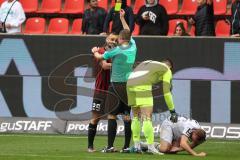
point(102, 73)
point(123, 58)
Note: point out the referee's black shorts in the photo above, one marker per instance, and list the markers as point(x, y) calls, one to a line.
point(116, 101)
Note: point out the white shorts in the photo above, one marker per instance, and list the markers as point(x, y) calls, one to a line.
point(166, 133)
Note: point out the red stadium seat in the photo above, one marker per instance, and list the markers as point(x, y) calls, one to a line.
point(103, 4)
point(1, 1)
point(228, 13)
point(76, 26)
point(110, 26)
point(173, 23)
point(192, 31)
point(138, 4)
point(29, 6)
point(189, 7)
point(136, 30)
point(220, 7)
point(35, 25)
point(170, 5)
point(128, 3)
point(50, 6)
point(222, 29)
point(73, 6)
point(58, 26)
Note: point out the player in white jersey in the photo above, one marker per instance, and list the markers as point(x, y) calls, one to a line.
point(183, 135)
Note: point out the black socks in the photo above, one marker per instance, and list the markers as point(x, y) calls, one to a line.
point(112, 130)
point(92, 128)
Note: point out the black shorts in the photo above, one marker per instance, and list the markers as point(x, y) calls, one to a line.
point(116, 101)
point(98, 103)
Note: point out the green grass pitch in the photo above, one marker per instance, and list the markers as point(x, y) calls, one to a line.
point(65, 147)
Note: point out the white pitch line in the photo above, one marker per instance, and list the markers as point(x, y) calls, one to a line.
point(226, 142)
point(47, 136)
point(96, 157)
point(125, 158)
point(56, 156)
point(34, 155)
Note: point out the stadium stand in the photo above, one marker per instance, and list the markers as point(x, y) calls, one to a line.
point(173, 23)
point(138, 4)
point(110, 26)
point(73, 7)
point(76, 26)
point(35, 25)
point(192, 31)
point(29, 6)
point(222, 28)
point(220, 7)
point(50, 6)
point(170, 5)
point(189, 7)
point(229, 13)
point(136, 30)
point(128, 3)
point(58, 26)
point(103, 4)
point(1, 1)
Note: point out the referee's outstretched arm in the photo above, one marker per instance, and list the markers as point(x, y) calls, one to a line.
point(124, 23)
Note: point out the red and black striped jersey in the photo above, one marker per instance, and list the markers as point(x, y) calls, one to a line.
point(102, 76)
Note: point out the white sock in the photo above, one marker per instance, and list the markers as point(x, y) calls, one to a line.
point(144, 145)
point(137, 145)
point(157, 145)
point(151, 146)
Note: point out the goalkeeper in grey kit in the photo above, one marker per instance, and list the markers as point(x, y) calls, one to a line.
point(140, 98)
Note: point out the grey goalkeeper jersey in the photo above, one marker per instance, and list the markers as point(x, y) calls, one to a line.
point(150, 72)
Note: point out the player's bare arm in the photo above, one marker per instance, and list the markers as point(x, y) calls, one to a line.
point(124, 23)
point(185, 145)
point(105, 65)
point(175, 149)
point(96, 54)
point(194, 144)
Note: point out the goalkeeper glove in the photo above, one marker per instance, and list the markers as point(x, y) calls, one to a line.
point(174, 116)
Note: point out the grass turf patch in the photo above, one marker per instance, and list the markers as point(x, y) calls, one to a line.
point(65, 147)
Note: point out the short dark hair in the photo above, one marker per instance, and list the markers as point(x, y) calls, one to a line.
point(88, 1)
point(125, 34)
point(201, 134)
point(169, 61)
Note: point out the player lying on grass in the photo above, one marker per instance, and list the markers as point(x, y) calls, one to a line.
point(184, 135)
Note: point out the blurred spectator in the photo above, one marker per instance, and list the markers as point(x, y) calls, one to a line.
point(93, 18)
point(114, 16)
point(235, 29)
point(204, 18)
point(152, 19)
point(11, 16)
point(180, 30)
